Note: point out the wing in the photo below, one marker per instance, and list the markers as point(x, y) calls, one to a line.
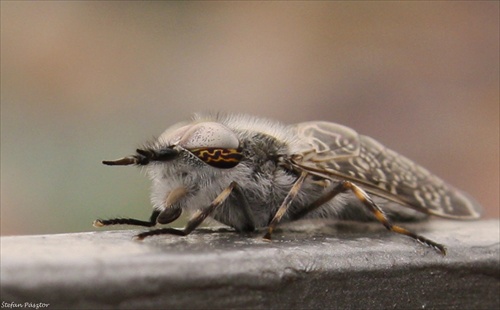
point(338, 152)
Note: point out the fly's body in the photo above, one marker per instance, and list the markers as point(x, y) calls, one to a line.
point(249, 173)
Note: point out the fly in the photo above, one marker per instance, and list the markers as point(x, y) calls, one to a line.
point(249, 173)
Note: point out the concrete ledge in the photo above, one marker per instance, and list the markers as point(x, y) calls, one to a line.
point(308, 265)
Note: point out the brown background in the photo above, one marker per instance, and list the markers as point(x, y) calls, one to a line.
point(86, 81)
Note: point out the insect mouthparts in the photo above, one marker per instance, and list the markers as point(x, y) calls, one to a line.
point(158, 155)
point(144, 157)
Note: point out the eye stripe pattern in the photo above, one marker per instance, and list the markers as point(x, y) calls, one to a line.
point(218, 157)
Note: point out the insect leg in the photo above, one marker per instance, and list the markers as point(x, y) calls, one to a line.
point(339, 188)
point(284, 206)
point(195, 220)
point(249, 222)
point(128, 221)
point(381, 217)
point(374, 209)
point(170, 213)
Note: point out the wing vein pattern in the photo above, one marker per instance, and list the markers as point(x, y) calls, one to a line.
point(338, 152)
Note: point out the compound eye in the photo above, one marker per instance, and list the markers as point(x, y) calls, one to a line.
point(212, 142)
point(219, 157)
point(209, 135)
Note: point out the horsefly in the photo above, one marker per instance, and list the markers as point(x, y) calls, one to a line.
point(250, 173)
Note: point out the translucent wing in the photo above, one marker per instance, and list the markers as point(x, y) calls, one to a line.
point(338, 152)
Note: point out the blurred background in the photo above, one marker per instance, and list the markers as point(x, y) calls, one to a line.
point(83, 81)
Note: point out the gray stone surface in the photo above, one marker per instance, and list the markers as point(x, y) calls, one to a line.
point(308, 265)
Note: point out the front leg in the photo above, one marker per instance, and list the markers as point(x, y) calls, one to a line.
point(195, 220)
point(167, 215)
point(128, 221)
